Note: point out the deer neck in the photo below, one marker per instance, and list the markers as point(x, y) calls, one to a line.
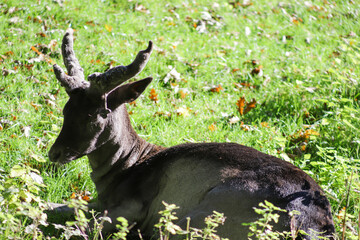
point(121, 150)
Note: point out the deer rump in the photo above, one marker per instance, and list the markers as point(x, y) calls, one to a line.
point(225, 177)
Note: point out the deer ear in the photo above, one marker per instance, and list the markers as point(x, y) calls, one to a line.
point(127, 93)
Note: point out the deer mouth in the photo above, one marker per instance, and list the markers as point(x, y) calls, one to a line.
point(63, 156)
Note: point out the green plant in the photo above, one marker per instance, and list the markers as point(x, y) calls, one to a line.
point(84, 225)
point(21, 208)
point(167, 227)
point(123, 229)
point(262, 228)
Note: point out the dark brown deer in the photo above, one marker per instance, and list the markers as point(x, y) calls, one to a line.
point(133, 177)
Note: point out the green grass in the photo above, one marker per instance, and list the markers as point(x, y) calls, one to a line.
point(309, 54)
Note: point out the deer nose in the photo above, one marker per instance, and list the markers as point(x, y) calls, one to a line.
point(55, 154)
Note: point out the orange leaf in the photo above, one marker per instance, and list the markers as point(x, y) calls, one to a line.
point(303, 147)
point(35, 50)
point(108, 28)
point(241, 104)
point(250, 106)
point(41, 34)
point(153, 95)
point(216, 89)
point(245, 84)
point(34, 106)
point(183, 94)
point(212, 127)
point(29, 66)
point(235, 70)
point(9, 53)
point(91, 23)
point(73, 195)
point(264, 124)
point(86, 198)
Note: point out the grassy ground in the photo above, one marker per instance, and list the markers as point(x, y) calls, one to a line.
point(299, 61)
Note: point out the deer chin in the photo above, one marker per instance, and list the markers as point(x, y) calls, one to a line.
point(63, 155)
point(68, 158)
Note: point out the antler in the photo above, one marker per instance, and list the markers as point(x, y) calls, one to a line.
point(107, 81)
point(101, 83)
point(75, 77)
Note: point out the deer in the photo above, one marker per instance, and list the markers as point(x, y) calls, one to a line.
point(133, 177)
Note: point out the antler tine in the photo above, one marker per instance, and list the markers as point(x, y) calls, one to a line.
point(75, 77)
point(70, 60)
point(107, 81)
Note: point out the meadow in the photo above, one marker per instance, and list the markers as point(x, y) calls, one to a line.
point(280, 76)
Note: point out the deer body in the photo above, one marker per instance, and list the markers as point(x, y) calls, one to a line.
point(133, 177)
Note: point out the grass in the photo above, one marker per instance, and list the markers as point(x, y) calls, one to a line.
point(307, 96)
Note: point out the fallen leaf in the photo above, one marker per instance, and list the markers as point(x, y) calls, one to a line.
point(247, 31)
point(85, 198)
point(212, 127)
point(173, 74)
point(183, 94)
point(90, 23)
point(241, 105)
point(234, 120)
point(264, 124)
point(183, 111)
point(250, 106)
point(6, 72)
point(303, 147)
point(9, 53)
point(153, 95)
point(15, 20)
point(141, 8)
point(35, 106)
point(257, 71)
point(26, 130)
point(245, 107)
point(303, 136)
point(108, 27)
point(41, 34)
point(163, 114)
point(216, 88)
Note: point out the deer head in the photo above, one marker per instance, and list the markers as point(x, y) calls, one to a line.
point(93, 104)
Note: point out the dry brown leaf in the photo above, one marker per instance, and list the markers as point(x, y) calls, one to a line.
point(241, 105)
point(216, 88)
point(250, 106)
point(257, 71)
point(245, 107)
